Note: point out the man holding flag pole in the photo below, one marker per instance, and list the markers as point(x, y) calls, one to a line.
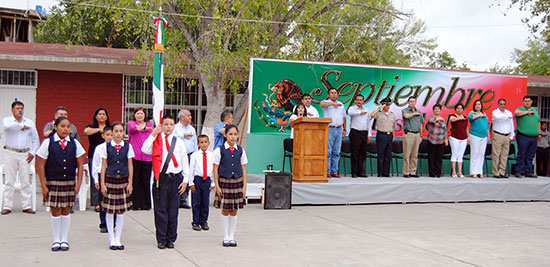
point(168, 153)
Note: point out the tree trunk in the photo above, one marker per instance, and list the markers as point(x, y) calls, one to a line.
point(215, 98)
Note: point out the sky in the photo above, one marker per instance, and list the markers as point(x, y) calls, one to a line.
point(473, 31)
point(476, 32)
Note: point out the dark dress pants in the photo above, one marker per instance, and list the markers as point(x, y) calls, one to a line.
point(435, 159)
point(142, 184)
point(95, 195)
point(166, 205)
point(200, 200)
point(384, 144)
point(358, 140)
point(542, 160)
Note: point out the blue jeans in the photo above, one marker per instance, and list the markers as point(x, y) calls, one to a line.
point(334, 147)
point(527, 148)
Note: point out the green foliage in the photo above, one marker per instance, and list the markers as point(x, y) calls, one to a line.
point(535, 60)
point(79, 23)
point(444, 60)
point(497, 68)
point(540, 15)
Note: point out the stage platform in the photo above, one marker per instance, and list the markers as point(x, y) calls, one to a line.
point(347, 190)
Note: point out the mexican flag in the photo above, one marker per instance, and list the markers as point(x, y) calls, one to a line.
point(158, 93)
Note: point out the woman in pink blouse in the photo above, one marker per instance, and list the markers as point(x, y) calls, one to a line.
point(138, 131)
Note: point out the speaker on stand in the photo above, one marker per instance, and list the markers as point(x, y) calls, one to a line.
point(278, 190)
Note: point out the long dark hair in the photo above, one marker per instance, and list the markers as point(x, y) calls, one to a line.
point(107, 122)
point(298, 105)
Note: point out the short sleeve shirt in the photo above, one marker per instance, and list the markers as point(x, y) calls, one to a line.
point(413, 124)
point(385, 121)
point(528, 125)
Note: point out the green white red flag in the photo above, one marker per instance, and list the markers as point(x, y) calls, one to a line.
point(158, 92)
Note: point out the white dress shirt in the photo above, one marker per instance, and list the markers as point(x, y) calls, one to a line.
point(15, 138)
point(336, 113)
point(217, 155)
point(44, 151)
point(179, 152)
point(103, 152)
point(503, 122)
point(97, 163)
point(180, 131)
point(195, 166)
point(360, 122)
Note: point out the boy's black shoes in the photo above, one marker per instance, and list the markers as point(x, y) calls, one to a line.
point(170, 244)
point(161, 245)
point(205, 227)
point(196, 227)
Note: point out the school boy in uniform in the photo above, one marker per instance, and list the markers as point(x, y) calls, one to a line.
point(59, 158)
point(96, 171)
point(201, 183)
point(172, 183)
point(117, 172)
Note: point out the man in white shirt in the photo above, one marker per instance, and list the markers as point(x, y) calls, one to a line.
point(171, 185)
point(359, 136)
point(186, 132)
point(334, 109)
point(503, 135)
point(21, 145)
point(311, 110)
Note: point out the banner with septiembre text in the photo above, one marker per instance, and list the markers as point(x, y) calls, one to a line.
point(277, 85)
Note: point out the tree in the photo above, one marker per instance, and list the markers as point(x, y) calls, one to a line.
point(540, 15)
point(444, 60)
point(497, 68)
point(535, 60)
point(218, 37)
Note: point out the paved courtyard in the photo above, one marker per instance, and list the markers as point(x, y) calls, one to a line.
point(438, 234)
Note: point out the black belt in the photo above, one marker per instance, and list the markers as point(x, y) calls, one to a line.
point(330, 126)
point(414, 132)
point(387, 133)
point(173, 174)
point(200, 177)
point(361, 131)
point(497, 132)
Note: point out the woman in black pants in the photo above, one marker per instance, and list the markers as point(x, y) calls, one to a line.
point(437, 140)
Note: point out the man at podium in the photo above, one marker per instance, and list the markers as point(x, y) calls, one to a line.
point(334, 109)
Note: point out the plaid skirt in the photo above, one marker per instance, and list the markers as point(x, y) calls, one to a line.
point(232, 194)
point(117, 200)
point(61, 193)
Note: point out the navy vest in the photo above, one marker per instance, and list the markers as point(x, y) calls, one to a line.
point(117, 161)
point(61, 163)
point(230, 163)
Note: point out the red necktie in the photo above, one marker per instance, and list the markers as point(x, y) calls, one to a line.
point(62, 143)
point(168, 148)
point(117, 147)
point(204, 169)
point(232, 149)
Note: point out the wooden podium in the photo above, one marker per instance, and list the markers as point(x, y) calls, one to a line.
point(310, 150)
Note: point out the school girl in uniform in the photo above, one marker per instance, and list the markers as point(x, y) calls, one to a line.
point(60, 157)
point(230, 181)
point(116, 183)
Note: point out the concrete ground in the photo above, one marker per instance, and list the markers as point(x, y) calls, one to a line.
point(463, 234)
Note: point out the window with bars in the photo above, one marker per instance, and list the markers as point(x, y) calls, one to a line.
point(544, 107)
point(183, 93)
point(18, 78)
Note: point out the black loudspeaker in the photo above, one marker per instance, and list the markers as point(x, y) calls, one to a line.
point(278, 190)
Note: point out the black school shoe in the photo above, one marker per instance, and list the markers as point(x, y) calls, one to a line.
point(196, 227)
point(161, 245)
point(169, 244)
point(205, 227)
point(226, 243)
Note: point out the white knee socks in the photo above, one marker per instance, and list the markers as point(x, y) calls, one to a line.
point(225, 227)
point(110, 220)
point(56, 228)
point(118, 228)
point(232, 226)
point(65, 226)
